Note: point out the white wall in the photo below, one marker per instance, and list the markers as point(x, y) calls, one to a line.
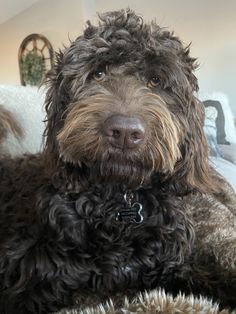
point(210, 26)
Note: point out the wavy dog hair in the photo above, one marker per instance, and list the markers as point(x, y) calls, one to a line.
point(130, 54)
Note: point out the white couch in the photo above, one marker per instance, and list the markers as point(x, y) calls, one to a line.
point(26, 103)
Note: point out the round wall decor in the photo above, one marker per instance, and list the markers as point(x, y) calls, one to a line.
point(35, 59)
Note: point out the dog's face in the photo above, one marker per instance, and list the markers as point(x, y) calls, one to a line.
point(121, 102)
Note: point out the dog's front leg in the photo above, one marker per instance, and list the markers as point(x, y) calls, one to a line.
point(25, 291)
point(40, 263)
point(204, 276)
point(37, 300)
point(35, 277)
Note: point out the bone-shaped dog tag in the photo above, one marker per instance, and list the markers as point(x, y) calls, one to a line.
point(131, 213)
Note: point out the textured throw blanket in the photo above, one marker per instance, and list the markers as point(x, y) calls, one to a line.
point(154, 302)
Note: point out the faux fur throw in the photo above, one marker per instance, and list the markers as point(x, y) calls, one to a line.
point(154, 302)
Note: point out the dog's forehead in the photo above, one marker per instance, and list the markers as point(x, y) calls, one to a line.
point(121, 38)
point(120, 47)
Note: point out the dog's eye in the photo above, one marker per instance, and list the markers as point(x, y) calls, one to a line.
point(154, 81)
point(99, 75)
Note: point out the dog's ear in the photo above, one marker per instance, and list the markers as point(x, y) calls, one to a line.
point(56, 100)
point(194, 165)
point(192, 171)
point(64, 83)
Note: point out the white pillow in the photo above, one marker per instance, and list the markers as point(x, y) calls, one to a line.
point(210, 131)
point(230, 129)
point(210, 118)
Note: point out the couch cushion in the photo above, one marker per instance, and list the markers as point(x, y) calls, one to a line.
point(26, 103)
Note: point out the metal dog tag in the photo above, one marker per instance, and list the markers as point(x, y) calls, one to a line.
point(131, 213)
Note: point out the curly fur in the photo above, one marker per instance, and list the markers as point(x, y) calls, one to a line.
point(59, 237)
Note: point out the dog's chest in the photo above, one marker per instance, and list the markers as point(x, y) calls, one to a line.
point(117, 253)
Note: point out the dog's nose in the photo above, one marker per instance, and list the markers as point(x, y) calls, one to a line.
point(124, 132)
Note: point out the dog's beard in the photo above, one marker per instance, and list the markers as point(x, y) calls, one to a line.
point(116, 169)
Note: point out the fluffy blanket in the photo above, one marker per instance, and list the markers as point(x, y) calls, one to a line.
point(154, 302)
